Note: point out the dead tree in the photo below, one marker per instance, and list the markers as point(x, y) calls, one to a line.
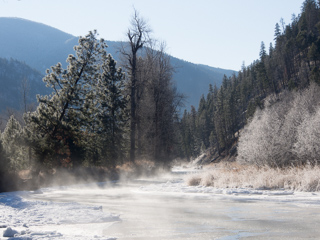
point(138, 36)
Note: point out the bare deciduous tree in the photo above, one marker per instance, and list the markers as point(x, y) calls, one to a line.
point(138, 36)
point(158, 104)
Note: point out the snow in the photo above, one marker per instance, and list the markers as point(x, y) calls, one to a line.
point(9, 232)
point(24, 219)
point(179, 186)
point(186, 170)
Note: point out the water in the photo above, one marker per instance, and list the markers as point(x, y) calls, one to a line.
point(178, 215)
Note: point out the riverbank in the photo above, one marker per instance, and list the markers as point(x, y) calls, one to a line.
point(233, 175)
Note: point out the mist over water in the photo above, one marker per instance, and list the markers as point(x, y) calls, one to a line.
point(163, 207)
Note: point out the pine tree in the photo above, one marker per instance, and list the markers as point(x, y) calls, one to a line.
point(12, 144)
point(4, 162)
point(186, 141)
point(61, 120)
point(277, 32)
point(111, 115)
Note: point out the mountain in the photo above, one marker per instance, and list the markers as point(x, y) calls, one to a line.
point(18, 80)
point(41, 46)
point(193, 79)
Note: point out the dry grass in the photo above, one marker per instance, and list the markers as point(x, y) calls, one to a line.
point(233, 175)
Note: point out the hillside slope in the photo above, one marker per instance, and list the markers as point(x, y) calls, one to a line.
point(292, 64)
point(18, 79)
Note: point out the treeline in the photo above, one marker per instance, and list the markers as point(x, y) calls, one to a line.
point(99, 114)
point(292, 64)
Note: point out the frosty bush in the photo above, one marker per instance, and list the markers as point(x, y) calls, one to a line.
point(307, 146)
point(286, 132)
point(233, 175)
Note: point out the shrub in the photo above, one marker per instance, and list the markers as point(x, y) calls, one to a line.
point(286, 132)
point(305, 178)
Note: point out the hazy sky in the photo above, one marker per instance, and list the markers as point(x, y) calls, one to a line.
point(219, 33)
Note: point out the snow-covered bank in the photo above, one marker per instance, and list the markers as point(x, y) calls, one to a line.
point(179, 184)
point(24, 219)
point(281, 195)
point(234, 175)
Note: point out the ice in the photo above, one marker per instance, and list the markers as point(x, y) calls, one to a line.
point(24, 219)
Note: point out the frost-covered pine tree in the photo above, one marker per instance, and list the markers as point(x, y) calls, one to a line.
point(3, 158)
point(64, 119)
point(112, 105)
point(13, 147)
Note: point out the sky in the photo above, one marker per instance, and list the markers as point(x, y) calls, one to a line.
point(218, 33)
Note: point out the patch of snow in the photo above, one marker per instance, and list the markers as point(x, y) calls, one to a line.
point(24, 219)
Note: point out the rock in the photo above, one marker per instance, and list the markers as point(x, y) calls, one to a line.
point(9, 232)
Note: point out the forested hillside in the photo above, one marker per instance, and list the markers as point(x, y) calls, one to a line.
point(291, 64)
point(19, 86)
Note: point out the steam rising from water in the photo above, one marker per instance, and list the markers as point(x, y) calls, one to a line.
point(164, 207)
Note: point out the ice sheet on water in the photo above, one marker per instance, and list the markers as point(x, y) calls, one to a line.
point(18, 212)
point(40, 212)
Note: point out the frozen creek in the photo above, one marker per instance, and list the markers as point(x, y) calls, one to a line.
point(161, 208)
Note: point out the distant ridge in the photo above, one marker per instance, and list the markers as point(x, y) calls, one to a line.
point(41, 46)
point(17, 78)
point(36, 44)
